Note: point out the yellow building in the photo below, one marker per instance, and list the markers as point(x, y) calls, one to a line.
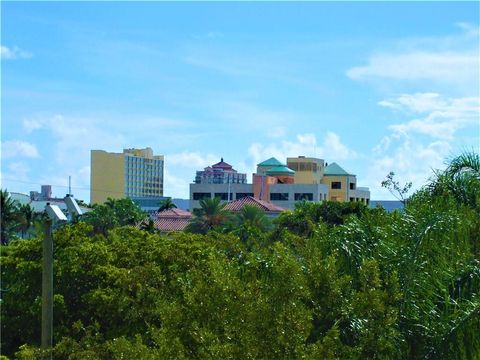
point(133, 173)
point(342, 186)
point(307, 170)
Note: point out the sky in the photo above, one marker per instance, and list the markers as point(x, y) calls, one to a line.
point(373, 86)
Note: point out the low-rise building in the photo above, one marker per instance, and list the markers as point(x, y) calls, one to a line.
point(171, 220)
point(301, 179)
point(342, 185)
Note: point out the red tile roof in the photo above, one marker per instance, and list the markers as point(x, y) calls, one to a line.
point(171, 220)
point(173, 213)
point(237, 205)
point(166, 225)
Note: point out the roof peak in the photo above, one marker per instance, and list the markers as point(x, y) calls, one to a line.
point(271, 162)
point(335, 169)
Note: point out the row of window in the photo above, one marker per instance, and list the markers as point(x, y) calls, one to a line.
point(222, 196)
point(303, 166)
point(273, 196)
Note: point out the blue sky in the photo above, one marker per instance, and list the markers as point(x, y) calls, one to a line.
point(373, 86)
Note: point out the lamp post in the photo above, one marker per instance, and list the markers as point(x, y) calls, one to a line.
point(55, 215)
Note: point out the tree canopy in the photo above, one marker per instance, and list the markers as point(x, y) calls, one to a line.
point(327, 281)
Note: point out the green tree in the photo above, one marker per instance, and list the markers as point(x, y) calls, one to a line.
point(399, 191)
point(115, 212)
point(253, 216)
point(9, 210)
point(27, 218)
point(167, 204)
point(210, 215)
point(461, 178)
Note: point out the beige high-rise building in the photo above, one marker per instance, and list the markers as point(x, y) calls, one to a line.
point(133, 173)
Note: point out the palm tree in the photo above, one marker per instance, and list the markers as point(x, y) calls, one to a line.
point(26, 217)
point(461, 179)
point(9, 216)
point(253, 216)
point(167, 204)
point(211, 214)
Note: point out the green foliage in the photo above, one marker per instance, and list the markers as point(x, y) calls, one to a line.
point(113, 213)
point(9, 211)
point(354, 283)
point(211, 215)
point(397, 190)
point(167, 204)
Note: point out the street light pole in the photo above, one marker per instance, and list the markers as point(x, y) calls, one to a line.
point(47, 288)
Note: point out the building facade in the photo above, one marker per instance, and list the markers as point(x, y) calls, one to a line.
point(134, 173)
point(342, 186)
point(301, 179)
point(220, 173)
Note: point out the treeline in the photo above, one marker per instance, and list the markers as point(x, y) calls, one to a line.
point(326, 281)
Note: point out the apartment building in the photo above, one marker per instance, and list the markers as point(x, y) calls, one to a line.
point(219, 180)
point(134, 173)
point(301, 178)
point(220, 173)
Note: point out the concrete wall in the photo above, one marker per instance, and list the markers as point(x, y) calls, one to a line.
point(304, 176)
point(107, 176)
point(217, 188)
point(319, 191)
point(336, 194)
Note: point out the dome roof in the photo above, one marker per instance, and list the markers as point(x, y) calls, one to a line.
point(280, 170)
point(271, 162)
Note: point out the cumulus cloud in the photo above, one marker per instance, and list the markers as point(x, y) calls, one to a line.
point(13, 53)
point(442, 117)
point(18, 148)
point(451, 60)
point(420, 145)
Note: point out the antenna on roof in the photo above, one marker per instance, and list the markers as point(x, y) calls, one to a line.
point(69, 185)
point(221, 159)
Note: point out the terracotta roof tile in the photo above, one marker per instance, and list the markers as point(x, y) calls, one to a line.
point(237, 205)
point(172, 213)
point(166, 225)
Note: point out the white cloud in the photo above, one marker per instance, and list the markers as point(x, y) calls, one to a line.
point(438, 120)
point(443, 116)
point(13, 53)
point(442, 67)
point(449, 61)
point(410, 159)
point(18, 148)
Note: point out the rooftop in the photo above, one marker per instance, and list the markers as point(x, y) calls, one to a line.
point(171, 220)
point(222, 164)
point(271, 162)
point(238, 205)
point(335, 170)
point(280, 170)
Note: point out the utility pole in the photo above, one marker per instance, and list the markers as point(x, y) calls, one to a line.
point(47, 289)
